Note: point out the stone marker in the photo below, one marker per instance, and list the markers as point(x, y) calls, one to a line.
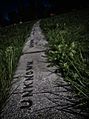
point(34, 92)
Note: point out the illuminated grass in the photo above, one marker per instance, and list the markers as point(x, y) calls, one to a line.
point(12, 39)
point(68, 38)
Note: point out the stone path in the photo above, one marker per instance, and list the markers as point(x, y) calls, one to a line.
point(35, 93)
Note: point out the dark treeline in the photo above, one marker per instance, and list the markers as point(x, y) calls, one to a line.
point(66, 5)
point(38, 9)
point(22, 12)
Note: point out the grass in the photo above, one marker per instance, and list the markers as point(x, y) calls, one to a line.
point(12, 39)
point(68, 38)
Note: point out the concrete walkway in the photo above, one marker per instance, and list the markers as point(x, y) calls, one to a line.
point(35, 93)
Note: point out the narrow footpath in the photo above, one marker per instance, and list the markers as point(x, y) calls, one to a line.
point(35, 93)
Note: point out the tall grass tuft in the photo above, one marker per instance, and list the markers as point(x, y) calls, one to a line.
point(12, 39)
point(68, 38)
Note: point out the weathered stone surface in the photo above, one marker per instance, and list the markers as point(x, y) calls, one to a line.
point(35, 93)
point(36, 42)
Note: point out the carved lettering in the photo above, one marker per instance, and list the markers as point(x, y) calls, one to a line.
point(28, 68)
point(27, 89)
point(27, 93)
point(29, 63)
point(32, 43)
point(29, 72)
point(29, 78)
point(26, 104)
point(29, 85)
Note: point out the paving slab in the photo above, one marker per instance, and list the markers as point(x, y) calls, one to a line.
point(36, 42)
point(35, 93)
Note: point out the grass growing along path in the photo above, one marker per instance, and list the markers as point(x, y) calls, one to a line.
point(12, 39)
point(68, 38)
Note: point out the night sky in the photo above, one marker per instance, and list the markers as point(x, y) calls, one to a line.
point(7, 6)
point(11, 9)
point(10, 5)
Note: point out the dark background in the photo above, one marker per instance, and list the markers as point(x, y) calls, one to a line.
point(14, 11)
